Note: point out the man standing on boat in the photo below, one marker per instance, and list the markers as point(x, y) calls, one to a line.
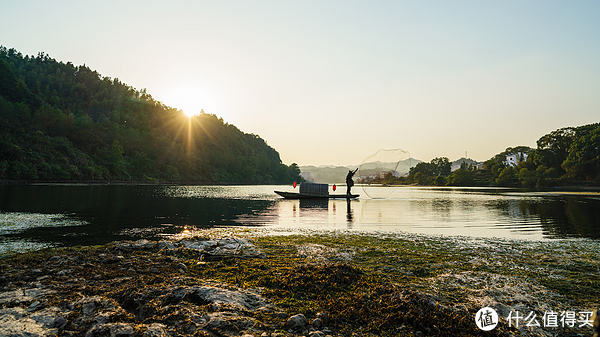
point(349, 181)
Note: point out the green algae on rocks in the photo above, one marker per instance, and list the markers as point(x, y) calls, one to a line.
point(235, 282)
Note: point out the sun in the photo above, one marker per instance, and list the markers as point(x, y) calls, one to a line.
point(191, 99)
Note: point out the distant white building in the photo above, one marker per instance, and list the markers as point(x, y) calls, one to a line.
point(513, 159)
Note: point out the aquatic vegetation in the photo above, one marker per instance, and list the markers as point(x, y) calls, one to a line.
point(463, 274)
point(18, 222)
point(10, 246)
point(13, 222)
point(361, 284)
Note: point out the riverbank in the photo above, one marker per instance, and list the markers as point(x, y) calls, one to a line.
point(591, 187)
point(124, 182)
point(226, 282)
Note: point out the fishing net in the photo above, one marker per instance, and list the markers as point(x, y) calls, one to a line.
point(382, 166)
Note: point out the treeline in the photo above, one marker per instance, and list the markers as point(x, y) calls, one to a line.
point(567, 156)
point(59, 121)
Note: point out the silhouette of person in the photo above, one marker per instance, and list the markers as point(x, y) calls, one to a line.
point(349, 181)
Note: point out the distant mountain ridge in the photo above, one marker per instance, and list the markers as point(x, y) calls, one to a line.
point(337, 174)
point(331, 174)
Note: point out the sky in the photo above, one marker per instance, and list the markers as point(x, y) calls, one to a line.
point(332, 82)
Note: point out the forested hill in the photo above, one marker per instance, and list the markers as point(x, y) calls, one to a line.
point(63, 122)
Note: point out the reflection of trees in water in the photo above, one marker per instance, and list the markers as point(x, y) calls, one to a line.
point(558, 217)
point(117, 212)
point(566, 216)
point(443, 208)
point(112, 211)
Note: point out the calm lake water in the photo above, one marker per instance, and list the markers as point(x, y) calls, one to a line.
point(35, 216)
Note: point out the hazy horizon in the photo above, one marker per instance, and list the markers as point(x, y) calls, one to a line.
point(330, 83)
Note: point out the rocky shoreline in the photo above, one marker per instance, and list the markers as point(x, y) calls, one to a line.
point(230, 286)
point(139, 289)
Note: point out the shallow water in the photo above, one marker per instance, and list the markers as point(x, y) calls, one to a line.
point(36, 216)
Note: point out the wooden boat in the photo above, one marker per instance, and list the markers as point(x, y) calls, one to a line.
point(294, 195)
point(315, 191)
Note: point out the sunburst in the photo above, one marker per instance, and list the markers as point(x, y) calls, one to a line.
point(191, 99)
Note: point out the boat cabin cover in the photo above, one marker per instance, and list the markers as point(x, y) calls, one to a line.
point(314, 189)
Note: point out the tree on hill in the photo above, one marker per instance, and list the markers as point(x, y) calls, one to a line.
point(583, 160)
point(462, 177)
point(441, 166)
point(426, 173)
point(65, 122)
point(568, 155)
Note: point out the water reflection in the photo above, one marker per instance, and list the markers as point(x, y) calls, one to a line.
point(471, 212)
point(317, 204)
point(116, 212)
point(95, 214)
point(319, 214)
point(567, 216)
point(349, 214)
